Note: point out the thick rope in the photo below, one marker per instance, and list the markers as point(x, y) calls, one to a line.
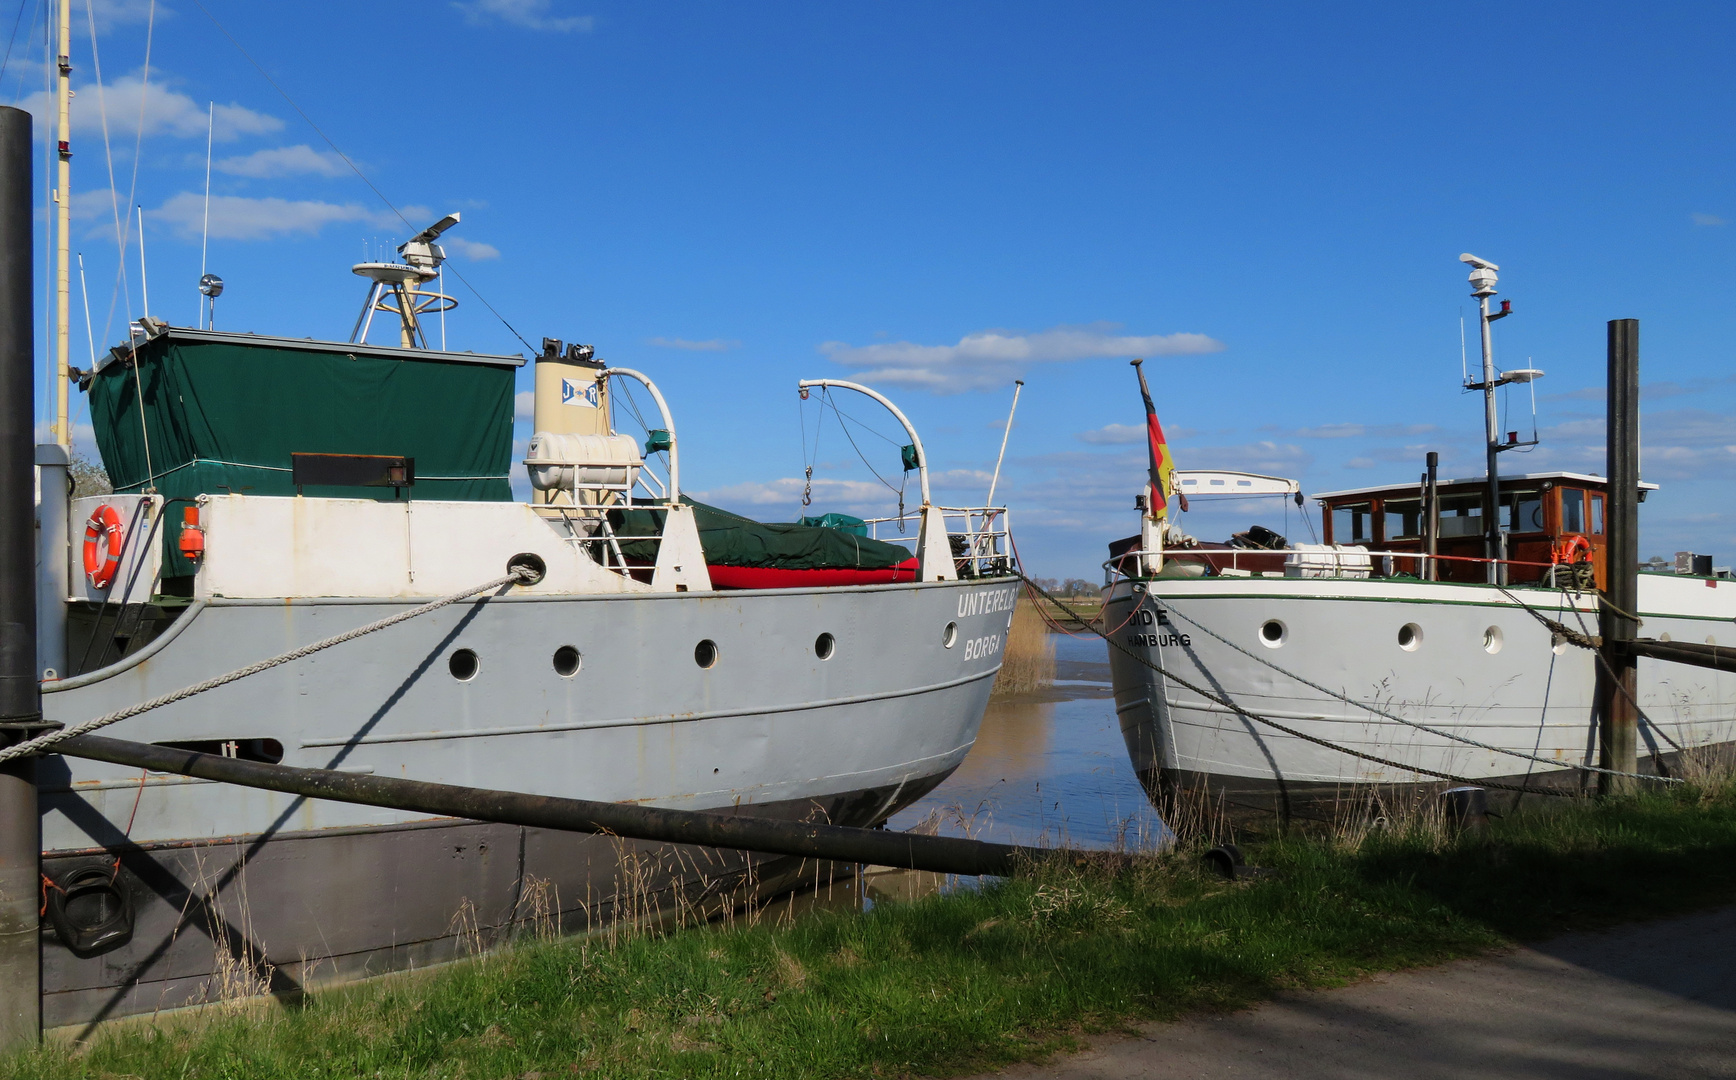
point(1412, 723)
point(1269, 722)
point(43, 742)
point(1566, 633)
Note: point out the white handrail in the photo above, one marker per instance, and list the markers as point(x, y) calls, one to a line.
point(668, 425)
point(915, 440)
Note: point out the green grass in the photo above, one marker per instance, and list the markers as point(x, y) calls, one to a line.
point(969, 980)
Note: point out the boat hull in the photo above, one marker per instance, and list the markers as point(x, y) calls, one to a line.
point(219, 874)
point(1474, 662)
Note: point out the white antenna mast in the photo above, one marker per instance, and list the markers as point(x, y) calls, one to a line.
point(1464, 364)
point(205, 239)
point(144, 285)
point(988, 504)
point(84, 292)
point(397, 287)
point(1018, 385)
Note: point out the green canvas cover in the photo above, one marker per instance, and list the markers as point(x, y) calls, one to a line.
point(853, 525)
point(224, 416)
point(732, 540)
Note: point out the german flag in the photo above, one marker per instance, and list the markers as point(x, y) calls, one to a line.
point(1161, 463)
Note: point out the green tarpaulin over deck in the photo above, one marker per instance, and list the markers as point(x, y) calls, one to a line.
point(224, 412)
point(732, 540)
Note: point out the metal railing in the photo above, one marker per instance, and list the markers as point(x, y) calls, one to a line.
point(1380, 564)
point(980, 536)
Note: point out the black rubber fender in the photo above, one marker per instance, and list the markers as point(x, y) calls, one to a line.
point(90, 906)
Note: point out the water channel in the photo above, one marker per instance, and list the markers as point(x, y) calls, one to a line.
point(1048, 768)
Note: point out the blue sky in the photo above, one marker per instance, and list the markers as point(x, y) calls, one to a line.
point(1267, 201)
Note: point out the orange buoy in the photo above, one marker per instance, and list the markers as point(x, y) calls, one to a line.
point(1572, 549)
point(105, 526)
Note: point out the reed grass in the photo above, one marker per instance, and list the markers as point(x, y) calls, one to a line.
point(1028, 662)
point(977, 978)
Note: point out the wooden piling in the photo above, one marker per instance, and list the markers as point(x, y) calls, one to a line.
point(1619, 728)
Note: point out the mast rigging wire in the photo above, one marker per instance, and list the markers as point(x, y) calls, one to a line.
point(281, 92)
point(17, 21)
point(121, 233)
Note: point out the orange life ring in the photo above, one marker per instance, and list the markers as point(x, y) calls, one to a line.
point(105, 525)
point(1572, 549)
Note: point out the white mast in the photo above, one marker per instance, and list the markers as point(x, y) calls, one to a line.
point(61, 430)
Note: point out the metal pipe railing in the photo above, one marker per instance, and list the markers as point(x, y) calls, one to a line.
point(1112, 568)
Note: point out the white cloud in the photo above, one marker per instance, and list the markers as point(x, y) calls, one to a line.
point(1708, 219)
point(529, 14)
point(708, 345)
point(1270, 458)
point(234, 217)
point(1113, 435)
point(1364, 431)
point(863, 498)
point(283, 161)
point(470, 249)
point(957, 477)
point(166, 112)
point(112, 13)
point(991, 358)
point(523, 406)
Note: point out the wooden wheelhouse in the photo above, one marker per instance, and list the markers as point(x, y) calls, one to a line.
point(1538, 512)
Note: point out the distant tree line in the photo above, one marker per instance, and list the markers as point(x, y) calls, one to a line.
point(1067, 587)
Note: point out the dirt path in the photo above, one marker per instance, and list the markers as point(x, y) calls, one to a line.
point(1656, 1000)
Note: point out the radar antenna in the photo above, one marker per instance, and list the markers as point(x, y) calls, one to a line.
point(395, 287)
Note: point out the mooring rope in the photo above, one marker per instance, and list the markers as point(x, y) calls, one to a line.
point(1468, 741)
point(1286, 729)
point(43, 742)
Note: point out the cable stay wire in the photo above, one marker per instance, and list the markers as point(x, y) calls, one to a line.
point(17, 21)
point(122, 233)
point(826, 399)
point(281, 92)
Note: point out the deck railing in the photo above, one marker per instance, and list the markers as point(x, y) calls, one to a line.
point(1387, 563)
point(980, 536)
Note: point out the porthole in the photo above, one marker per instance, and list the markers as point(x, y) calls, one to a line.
point(1493, 639)
point(949, 636)
point(567, 661)
point(824, 646)
point(1410, 635)
point(1272, 633)
point(463, 665)
point(705, 653)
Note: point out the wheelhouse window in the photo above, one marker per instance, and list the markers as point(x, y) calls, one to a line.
point(1403, 518)
point(1522, 511)
point(1572, 510)
point(1461, 515)
point(1353, 523)
point(1597, 513)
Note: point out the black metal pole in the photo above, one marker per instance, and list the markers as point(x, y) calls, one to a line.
point(1619, 727)
point(942, 854)
point(1432, 514)
point(20, 702)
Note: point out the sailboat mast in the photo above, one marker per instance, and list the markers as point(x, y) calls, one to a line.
point(63, 231)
